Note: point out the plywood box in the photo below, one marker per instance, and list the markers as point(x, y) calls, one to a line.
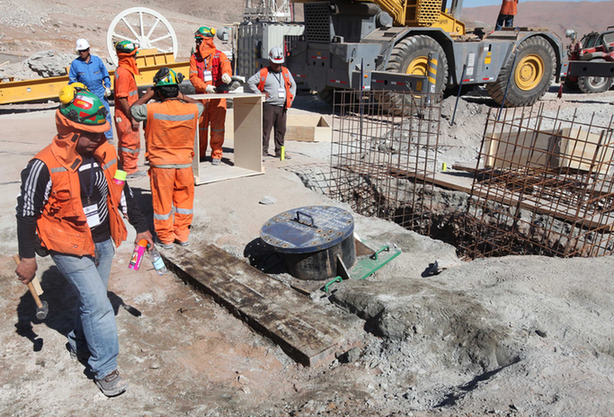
point(307, 128)
point(518, 149)
point(549, 149)
point(580, 150)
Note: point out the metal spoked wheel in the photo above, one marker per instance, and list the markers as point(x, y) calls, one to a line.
point(145, 27)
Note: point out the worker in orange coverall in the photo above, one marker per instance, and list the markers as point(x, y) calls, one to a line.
point(210, 69)
point(169, 133)
point(126, 93)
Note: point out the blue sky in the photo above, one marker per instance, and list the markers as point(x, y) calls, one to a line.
point(476, 3)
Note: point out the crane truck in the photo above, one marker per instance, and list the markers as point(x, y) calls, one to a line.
point(345, 38)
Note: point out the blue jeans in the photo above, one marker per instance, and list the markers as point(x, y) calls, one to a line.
point(95, 329)
point(109, 133)
point(504, 20)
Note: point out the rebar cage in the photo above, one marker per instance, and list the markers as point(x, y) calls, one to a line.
point(544, 185)
point(384, 154)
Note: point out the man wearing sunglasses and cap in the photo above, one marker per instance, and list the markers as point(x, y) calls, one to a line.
point(88, 69)
point(70, 207)
point(209, 70)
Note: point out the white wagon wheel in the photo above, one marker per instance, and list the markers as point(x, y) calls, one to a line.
point(145, 27)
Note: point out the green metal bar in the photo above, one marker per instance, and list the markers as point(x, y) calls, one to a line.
point(336, 279)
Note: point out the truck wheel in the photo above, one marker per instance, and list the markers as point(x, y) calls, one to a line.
point(591, 85)
point(532, 74)
point(410, 56)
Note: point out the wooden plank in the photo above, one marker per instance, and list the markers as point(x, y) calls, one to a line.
point(511, 198)
point(306, 331)
point(246, 159)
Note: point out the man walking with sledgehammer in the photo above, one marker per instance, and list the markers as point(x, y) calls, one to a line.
point(70, 202)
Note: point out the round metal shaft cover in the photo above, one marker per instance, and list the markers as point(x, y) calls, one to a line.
point(307, 229)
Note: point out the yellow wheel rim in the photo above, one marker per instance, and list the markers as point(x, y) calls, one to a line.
point(419, 66)
point(529, 72)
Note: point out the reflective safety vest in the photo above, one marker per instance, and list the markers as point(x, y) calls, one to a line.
point(264, 72)
point(62, 226)
point(212, 64)
point(170, 133)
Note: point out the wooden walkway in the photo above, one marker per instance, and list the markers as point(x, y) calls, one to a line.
point(308, 332)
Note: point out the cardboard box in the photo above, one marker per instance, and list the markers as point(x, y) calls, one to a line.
point(307, 128)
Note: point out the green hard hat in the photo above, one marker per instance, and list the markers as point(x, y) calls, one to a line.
point(85, 108)
point(166, 76)
point(204, 32)
point(125, 47)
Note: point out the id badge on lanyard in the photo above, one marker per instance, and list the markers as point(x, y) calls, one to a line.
point(281, 92)
point(91, 212)
point(207, 76)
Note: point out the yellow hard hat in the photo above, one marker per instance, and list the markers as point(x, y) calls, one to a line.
point(67, 93)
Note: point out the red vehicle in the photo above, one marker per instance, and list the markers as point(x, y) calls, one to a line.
point(598, 47)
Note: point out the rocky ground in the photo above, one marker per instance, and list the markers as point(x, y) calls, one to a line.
point(511, 336)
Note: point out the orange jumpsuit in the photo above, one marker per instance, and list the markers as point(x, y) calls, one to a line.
point(169, 134)
point(206, 68)
point(129, 139)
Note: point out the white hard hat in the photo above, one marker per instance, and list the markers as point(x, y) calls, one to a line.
point(82, 44)
point(276, 55)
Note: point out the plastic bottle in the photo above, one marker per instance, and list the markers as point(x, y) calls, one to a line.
point(157, 261)
point(137, 255)
point(120, 177)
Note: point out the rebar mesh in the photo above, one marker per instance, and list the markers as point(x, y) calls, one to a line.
point(544, 185)
point(383, 154)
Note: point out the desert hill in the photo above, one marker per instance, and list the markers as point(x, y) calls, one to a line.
point(557, 16)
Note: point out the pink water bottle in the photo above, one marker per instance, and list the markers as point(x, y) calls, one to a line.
point(120, 177)
point(137, 255)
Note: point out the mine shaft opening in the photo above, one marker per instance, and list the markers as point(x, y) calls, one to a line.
point(542, 182)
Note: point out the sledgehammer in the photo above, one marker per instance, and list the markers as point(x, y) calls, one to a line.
point(42, 308)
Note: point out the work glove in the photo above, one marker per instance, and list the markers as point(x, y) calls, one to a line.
point(210, 89)
point(226, 79)
point(107, 92)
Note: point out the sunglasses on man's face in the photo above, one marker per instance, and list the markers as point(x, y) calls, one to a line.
point(84, 50)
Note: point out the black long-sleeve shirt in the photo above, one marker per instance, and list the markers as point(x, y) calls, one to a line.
point(35, 189)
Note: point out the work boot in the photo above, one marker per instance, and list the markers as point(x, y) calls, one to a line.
point(183, 244)
point(215, 161)
point(112, 385)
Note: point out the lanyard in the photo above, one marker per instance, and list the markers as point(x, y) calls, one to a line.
point(278, 79)
point(88, 193)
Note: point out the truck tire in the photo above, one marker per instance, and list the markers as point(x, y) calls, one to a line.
point(590, 85)
point(533, 72)
point(410, 56)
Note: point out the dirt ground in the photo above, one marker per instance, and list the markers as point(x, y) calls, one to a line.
point(526, 336)
point(511, 336)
